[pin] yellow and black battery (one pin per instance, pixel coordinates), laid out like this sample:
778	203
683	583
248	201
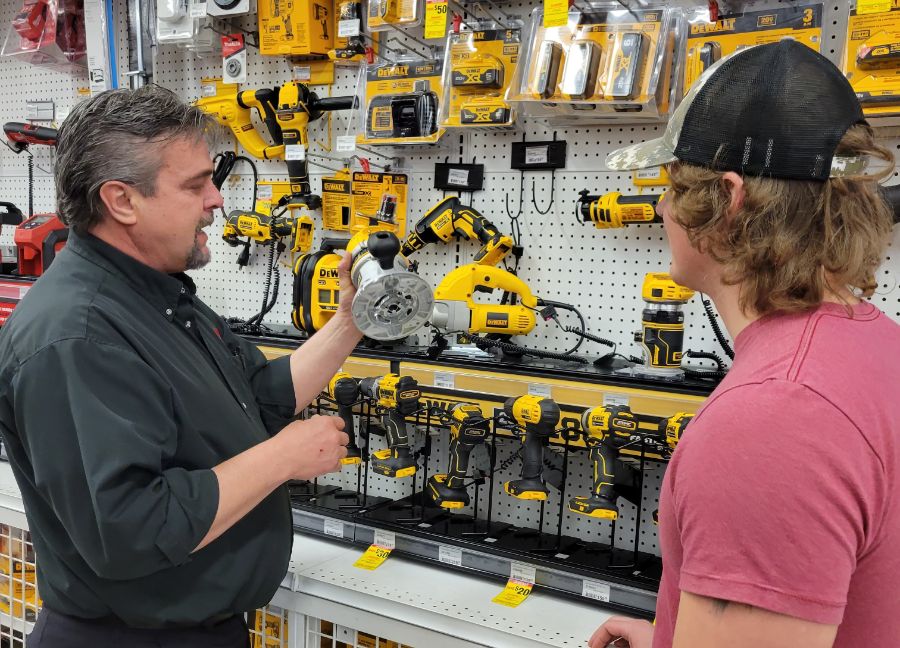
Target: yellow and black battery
579	78
546	70
628	61
478	73
484	110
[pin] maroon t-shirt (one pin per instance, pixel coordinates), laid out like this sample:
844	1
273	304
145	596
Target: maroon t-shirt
784	492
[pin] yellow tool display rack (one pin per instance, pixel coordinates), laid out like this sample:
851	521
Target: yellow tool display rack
487	547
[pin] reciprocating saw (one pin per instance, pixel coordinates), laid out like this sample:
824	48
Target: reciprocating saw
451	218
468	428
396	397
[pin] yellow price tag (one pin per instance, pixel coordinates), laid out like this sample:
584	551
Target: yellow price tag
435	19
373	557
872	6
556	13
514	593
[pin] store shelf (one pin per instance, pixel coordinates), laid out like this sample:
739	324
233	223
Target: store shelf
415	603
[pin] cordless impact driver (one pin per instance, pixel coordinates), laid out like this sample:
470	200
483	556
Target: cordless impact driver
468	428
397	397
538	417
606	430
343	389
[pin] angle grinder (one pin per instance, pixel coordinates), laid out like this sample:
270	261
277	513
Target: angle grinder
391	302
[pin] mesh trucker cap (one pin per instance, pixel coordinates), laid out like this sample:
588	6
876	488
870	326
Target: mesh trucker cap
777	110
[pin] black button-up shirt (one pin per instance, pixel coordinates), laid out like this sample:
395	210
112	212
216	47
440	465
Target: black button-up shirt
119	391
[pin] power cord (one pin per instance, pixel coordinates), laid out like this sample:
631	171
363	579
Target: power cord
713	322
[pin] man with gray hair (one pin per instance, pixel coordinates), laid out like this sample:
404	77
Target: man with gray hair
152	445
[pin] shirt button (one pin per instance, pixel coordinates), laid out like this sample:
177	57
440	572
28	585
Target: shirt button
182	290
244	405
188	324
168	311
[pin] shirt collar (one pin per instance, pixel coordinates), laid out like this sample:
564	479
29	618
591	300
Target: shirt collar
162	290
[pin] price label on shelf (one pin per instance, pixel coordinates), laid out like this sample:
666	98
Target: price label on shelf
539	389
435	19
615	399
294	152
334	528
346	143
556	13
450	555
594	590
458	177
872	6
444	380
537	154
373	557
348	27
521	581
385	539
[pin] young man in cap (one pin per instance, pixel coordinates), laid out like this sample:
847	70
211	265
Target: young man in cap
780	510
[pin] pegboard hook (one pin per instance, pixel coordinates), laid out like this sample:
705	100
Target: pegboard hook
544	212
521	198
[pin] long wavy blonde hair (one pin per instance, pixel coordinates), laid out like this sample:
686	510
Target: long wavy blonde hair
791	240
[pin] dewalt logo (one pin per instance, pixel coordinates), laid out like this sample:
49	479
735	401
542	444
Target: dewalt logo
367	177
726	24
497	320
396	70
334	186
328	273
410	394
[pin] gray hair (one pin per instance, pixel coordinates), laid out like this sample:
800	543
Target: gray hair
116	135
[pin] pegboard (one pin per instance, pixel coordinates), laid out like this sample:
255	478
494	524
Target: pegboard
600	272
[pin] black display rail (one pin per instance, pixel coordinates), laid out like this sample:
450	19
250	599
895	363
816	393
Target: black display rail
625	577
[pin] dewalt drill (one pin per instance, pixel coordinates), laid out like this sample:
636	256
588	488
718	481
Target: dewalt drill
343	389
468	428
606	429
662	325
614	210
538	417
451	218
670	431
397	397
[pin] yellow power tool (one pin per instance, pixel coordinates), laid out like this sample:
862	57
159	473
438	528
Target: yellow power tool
538	418
451	218
397	397
232	108
468	428
355	49
671	431
662	325
265	228
614	210
455	310
606	429
343	389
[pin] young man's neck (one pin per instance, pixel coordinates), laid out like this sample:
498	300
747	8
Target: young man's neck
727	302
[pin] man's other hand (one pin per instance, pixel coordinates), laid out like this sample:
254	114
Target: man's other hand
313	447
622	632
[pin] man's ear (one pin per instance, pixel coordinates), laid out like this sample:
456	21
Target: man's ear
117	199
734	185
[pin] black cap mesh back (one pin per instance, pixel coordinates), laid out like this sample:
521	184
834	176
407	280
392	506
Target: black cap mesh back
777	110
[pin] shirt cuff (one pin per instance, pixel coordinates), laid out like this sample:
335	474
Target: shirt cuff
273	388
767	598
192	507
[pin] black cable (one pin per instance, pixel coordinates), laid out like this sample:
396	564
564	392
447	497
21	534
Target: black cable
720	364
509	347
723	341
705	374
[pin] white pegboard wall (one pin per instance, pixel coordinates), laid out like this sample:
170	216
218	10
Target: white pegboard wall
598	271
